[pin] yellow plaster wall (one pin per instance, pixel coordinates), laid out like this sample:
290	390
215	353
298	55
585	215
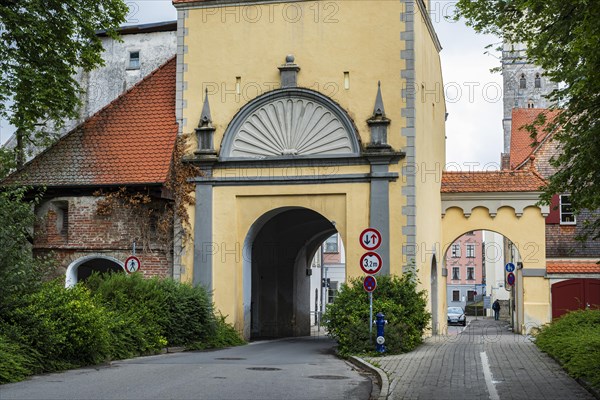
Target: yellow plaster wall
342	203
360	37
430	156
528	234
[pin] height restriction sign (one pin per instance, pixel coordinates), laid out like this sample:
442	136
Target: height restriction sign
370	239
371	263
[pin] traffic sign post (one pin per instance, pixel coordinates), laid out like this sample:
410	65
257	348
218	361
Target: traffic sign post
132	264
370	263
370	284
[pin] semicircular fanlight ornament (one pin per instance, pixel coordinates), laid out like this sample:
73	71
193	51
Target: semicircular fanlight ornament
291	126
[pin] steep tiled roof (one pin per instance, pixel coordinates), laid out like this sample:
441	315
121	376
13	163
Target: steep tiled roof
520	139
497	181
573	267
130	141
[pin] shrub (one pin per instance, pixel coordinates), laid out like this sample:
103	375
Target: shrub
347	319
574	340
15	364
138	312
61	328
160	312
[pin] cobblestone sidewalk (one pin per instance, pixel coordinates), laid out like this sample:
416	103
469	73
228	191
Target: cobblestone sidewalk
485	361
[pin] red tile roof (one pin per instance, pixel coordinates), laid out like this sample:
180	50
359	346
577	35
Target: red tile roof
520	138
572	267
130	141
497	181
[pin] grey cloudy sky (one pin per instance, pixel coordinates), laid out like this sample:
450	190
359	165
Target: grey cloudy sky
473	94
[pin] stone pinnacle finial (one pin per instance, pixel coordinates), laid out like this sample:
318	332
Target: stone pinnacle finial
379	109
205	117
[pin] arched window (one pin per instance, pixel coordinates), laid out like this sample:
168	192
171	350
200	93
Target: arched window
530	104
538	81
523	82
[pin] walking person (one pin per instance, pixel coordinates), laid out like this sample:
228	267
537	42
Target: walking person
496	308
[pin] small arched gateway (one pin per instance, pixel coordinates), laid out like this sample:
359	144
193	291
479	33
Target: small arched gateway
83	267
505	202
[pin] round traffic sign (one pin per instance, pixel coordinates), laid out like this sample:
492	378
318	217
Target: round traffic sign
371	263
370	283
132	264
510	267
370	239
510	279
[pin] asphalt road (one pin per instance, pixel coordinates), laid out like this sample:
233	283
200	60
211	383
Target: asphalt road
300	368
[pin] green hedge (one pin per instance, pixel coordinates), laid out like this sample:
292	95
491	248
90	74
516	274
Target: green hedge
111	316
347	319
574	340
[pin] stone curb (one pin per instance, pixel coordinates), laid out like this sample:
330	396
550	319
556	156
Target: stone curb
381	376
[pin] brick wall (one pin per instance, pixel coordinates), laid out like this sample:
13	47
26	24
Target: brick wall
561	239
88	233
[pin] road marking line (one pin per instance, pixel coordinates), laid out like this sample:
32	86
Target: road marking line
487	373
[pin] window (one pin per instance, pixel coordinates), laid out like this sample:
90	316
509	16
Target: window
538	81
134	60
530	104
567	216
331	244
455	273
522	82
332	292
470	295
470	273
64	229
471	251
455	250
456	295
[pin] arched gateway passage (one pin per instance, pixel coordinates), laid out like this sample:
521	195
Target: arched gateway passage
282	244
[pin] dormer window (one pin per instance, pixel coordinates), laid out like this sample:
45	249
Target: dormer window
134	60
523	82
538	81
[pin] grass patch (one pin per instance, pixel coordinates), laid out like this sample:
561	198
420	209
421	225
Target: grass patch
574	340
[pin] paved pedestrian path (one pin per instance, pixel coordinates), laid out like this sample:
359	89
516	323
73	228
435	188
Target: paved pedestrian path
485	361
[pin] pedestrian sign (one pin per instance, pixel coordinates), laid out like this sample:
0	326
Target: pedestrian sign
510	267
132	264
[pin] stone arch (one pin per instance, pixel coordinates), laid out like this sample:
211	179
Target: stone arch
434	296
277	250
290	123
110	263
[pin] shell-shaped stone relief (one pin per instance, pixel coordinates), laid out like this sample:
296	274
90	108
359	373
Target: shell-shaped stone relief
291	127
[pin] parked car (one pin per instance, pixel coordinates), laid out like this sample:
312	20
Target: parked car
456	316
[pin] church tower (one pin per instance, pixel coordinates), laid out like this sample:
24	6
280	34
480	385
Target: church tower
525	86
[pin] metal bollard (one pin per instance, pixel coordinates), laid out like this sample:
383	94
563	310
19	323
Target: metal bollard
380	322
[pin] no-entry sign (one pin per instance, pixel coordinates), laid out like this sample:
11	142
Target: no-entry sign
370	239
371	263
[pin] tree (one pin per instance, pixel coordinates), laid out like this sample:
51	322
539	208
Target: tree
42	43
562	37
